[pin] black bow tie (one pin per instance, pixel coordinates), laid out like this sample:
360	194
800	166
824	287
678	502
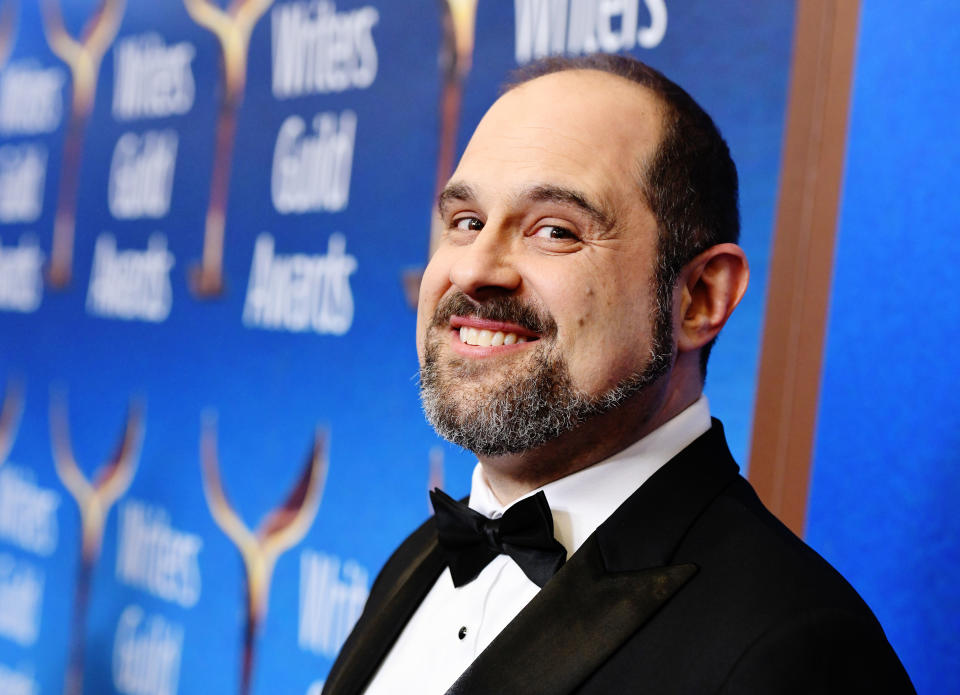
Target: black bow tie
525	533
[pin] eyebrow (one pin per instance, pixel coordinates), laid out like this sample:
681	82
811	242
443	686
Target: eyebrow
454	191
568	196
558	194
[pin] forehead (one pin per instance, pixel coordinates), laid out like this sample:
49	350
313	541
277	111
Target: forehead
581	127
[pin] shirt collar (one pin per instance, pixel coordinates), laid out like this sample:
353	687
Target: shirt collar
581	501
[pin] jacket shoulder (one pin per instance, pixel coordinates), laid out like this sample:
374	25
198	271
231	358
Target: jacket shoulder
766	613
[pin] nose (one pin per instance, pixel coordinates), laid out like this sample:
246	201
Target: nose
484	267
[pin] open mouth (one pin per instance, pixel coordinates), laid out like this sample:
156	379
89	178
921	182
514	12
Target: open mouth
484	338
478	332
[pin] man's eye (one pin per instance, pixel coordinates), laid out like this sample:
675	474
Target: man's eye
552	231
468	224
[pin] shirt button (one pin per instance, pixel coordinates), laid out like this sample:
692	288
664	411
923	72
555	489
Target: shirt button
463	632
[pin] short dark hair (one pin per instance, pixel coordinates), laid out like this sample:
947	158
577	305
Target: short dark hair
690	184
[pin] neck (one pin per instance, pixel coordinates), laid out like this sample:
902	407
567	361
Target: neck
512	476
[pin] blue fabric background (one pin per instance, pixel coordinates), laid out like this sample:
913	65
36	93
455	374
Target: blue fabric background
886	480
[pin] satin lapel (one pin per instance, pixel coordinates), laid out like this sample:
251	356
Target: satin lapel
647	529
374	637
581	616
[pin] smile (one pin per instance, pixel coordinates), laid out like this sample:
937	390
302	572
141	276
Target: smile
478	337
485	338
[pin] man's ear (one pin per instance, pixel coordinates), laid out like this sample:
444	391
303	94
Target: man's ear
711	285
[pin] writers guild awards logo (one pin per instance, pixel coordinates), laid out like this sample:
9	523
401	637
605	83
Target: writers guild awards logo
9	10
94	499
456	58
83	57
279	531
232	27
10	414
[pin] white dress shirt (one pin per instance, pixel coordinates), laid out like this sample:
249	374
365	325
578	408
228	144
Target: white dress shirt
453	625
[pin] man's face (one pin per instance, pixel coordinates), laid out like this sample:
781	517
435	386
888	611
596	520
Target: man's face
538	308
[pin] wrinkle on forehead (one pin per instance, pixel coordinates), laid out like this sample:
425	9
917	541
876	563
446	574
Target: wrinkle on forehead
524	169
527	144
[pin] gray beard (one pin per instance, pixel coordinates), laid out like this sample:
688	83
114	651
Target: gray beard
527	410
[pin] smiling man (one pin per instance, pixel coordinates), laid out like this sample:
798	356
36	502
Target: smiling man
588	262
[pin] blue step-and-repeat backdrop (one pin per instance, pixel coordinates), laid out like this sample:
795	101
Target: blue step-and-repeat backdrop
212	219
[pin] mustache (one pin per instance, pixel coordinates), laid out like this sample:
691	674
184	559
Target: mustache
504	308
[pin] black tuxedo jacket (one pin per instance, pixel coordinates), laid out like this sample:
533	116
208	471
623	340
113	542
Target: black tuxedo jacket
691	586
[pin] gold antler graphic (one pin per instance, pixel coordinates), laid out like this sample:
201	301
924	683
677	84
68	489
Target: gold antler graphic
9	9
232	28
83	57
10	417
458	26
456	58
278	532
94	500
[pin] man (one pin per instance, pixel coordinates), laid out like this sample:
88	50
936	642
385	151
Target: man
587	264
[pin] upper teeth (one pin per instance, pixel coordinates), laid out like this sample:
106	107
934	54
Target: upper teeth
484	338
